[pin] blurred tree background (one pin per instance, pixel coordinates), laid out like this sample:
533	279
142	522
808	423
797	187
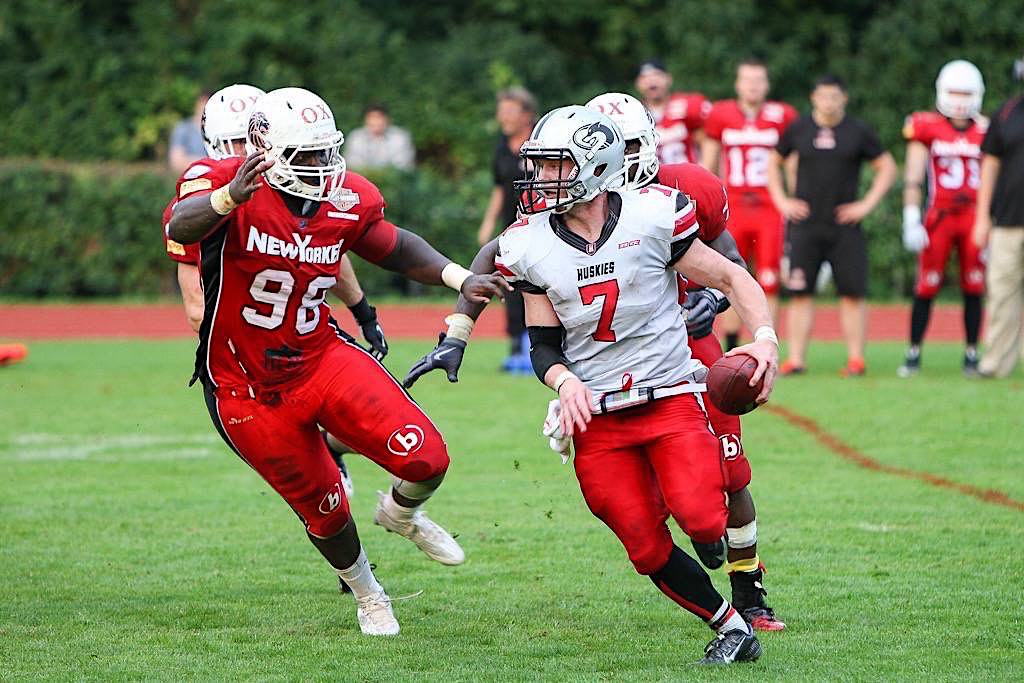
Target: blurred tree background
93	81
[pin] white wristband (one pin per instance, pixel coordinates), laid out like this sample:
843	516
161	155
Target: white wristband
221	201
911	214
453	275
766	332
561	379
460	326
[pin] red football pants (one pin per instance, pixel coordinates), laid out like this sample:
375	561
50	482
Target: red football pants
638	465
727	427
355	399
947	229
758	231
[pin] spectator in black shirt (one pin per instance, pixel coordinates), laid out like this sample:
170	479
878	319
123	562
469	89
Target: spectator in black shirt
1001	201
516	113
828	148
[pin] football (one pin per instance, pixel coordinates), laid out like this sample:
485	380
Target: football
729	384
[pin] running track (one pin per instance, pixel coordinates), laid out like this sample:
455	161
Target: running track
400	321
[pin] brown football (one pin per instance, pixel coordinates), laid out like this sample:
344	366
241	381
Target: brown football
729	384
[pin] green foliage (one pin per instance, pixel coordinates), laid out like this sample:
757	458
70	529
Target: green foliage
89	231
88	81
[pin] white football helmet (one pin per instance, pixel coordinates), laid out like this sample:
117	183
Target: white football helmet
586	138
959	90
226	120
636	123
296	128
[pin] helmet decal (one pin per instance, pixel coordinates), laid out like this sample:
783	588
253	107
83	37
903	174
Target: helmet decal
259	126
594	136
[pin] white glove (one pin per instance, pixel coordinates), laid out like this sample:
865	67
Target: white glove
557	440
915	237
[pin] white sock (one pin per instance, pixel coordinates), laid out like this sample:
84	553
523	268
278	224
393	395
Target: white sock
359	577
398	512
734	622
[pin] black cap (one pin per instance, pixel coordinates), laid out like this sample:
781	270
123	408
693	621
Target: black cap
651	65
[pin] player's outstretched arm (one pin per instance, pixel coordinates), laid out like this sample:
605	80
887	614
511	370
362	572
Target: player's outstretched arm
195	216
413	257
451	345
710	268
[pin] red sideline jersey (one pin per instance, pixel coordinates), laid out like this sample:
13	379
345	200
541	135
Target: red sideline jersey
266	273
954	157
683	115
747	143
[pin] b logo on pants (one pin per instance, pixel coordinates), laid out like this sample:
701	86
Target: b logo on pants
331	501
405	440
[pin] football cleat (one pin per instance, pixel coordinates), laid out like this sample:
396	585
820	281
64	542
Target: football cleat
971	363
12	353
911	365
789	367
375	615
711	555
748	597
855	367
430	537
732	646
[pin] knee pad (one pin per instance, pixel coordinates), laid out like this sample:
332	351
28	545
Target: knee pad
743	537
417	490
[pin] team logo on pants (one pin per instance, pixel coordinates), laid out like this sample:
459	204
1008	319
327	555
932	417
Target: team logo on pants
332	500
405	440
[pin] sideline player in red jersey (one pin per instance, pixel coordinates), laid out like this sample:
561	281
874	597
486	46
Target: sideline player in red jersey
678	116
746	573
224	126
597	266
945	145
273	228
739	136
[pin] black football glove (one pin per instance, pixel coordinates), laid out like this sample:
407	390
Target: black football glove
447	356
701	308
366	317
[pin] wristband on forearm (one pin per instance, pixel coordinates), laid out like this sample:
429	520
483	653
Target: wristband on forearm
362	311
766	332
221	201
453	275
460	326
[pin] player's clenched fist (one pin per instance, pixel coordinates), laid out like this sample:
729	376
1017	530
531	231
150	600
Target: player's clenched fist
482	288
247	179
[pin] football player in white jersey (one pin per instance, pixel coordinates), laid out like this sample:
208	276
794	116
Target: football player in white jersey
597	266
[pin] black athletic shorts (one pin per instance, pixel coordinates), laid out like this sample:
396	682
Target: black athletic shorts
843	246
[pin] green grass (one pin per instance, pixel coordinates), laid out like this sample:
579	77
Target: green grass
134	545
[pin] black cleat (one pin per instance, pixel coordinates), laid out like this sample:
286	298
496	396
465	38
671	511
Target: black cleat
732	646
711	555
748	597
911	364
971	363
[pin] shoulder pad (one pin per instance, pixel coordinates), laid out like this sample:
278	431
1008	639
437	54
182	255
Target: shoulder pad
651	210
357	192
522	244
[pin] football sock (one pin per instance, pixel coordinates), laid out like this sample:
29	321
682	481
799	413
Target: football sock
732	340
359	577
972	318
685	582
398	512
919	316
746	565
728	619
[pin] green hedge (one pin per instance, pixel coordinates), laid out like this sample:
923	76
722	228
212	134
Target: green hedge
86	232
90	232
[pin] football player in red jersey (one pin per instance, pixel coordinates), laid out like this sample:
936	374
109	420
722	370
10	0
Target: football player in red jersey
272	228
678	116
746	573
945	147
224	125
739	136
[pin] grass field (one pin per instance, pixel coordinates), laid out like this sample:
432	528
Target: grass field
134	545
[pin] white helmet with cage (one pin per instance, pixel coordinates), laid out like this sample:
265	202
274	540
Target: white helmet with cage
592	144
296	129
226	120
959	90
636	123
